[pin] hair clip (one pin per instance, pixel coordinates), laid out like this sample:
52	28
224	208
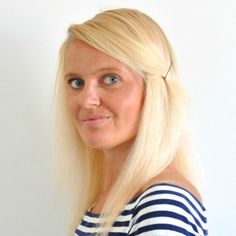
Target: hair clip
168	70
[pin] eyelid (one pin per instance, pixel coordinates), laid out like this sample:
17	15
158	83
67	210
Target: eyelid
72	78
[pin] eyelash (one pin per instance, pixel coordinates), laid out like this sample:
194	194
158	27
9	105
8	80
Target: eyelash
101	81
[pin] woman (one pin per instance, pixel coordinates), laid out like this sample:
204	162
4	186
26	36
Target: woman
121	130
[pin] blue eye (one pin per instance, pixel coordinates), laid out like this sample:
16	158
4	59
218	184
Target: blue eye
76	83
110	79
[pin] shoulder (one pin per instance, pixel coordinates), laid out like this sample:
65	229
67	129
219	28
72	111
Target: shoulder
168	209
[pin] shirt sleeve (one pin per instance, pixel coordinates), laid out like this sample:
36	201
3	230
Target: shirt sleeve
168	211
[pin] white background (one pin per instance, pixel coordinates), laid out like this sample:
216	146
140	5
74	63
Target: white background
202	33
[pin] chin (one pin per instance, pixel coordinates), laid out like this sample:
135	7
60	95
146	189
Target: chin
108	144
97	143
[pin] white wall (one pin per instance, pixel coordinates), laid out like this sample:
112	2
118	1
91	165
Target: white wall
203	35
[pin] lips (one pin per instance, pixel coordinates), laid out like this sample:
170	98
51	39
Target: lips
94	120
95	117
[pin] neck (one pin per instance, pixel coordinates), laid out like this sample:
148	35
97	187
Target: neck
114	159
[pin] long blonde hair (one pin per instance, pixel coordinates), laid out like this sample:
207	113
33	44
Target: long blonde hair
137	41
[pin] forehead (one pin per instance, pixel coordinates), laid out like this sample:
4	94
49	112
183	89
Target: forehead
79	55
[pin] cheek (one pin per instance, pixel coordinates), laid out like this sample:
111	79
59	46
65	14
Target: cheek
130	106
72	105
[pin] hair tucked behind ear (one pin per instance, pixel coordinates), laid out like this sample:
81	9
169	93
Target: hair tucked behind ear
137	41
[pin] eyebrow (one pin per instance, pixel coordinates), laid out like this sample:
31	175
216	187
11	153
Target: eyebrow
70	74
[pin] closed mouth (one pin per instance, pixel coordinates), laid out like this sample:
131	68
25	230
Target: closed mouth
95	120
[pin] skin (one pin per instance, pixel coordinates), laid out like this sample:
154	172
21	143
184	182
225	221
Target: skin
105	99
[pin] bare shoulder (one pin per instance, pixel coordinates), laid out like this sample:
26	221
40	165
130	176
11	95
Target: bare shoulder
172	177
182	182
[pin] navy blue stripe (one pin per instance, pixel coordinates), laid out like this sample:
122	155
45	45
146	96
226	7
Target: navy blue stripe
169	202
179	187
123	213
81	233
91	214
89	224
169	227
176	194
169	214
166	214
121	224
94	225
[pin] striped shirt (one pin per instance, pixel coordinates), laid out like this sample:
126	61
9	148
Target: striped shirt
161	210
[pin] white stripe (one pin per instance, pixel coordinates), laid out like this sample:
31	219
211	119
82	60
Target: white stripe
86	229
161	233
91	219
163	220
119	229
94	219
97	230
124	218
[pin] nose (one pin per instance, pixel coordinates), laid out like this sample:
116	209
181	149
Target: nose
89	96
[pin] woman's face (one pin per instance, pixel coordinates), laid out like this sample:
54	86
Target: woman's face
105	97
